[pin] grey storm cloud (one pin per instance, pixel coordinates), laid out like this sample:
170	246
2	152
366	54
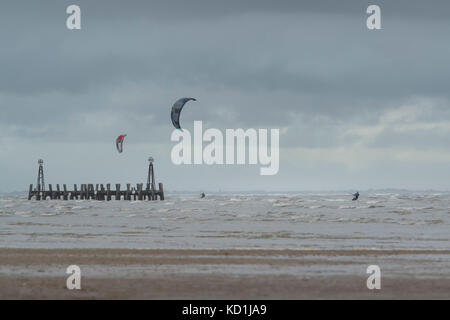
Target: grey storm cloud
310	68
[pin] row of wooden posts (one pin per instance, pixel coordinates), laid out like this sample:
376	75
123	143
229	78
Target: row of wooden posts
87	192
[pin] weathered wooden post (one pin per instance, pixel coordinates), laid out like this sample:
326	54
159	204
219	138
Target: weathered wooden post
58	192
50	191
65	192
161	191
91	192
117	191
30	192
139	191
101	196
128	194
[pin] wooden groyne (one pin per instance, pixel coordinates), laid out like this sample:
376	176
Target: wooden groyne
100	192
88	192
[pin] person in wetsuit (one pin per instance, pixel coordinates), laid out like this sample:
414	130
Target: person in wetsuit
355	196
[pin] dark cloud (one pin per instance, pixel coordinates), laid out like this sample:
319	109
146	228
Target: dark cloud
308	67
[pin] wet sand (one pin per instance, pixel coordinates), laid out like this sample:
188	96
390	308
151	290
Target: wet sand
223	274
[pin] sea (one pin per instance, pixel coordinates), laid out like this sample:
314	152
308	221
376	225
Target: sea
303	220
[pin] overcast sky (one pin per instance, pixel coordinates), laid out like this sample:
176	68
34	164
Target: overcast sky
357	109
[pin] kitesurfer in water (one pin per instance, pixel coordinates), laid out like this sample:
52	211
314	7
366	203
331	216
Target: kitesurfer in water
355	196
203	195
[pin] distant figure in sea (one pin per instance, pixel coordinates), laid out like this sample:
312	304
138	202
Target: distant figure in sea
355	196
203	195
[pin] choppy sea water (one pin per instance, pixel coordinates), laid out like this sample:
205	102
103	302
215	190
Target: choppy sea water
297	221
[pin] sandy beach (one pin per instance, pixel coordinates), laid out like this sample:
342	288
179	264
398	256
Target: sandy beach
222	274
